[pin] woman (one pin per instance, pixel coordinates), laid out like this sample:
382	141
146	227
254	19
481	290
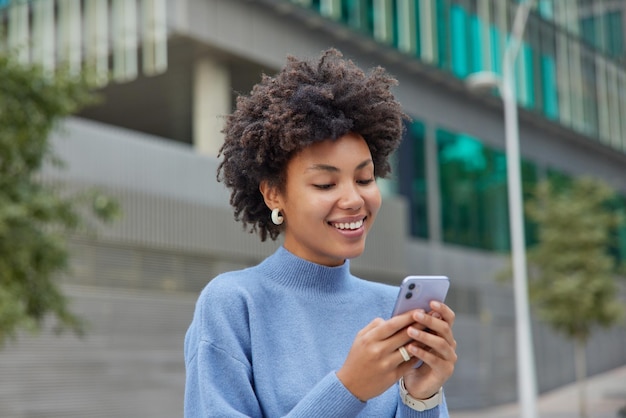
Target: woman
298	335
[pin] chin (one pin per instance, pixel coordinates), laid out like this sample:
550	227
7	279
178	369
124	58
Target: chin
354	253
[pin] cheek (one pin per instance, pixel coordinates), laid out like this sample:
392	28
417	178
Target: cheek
374	201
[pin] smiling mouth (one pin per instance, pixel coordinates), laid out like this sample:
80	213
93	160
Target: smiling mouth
348	226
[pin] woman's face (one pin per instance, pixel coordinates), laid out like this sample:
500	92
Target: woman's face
330	201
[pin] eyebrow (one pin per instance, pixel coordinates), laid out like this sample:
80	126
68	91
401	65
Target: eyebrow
333	169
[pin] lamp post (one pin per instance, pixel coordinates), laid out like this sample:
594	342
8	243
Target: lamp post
526	380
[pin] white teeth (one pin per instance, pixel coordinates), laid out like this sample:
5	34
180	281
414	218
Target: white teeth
349	225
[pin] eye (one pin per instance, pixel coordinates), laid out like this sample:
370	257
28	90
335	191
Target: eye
365	182
323	186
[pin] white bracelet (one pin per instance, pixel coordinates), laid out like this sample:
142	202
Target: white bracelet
419	404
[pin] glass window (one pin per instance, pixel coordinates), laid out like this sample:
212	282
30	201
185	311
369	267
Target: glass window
548	81
406	23
620	232
474	208
545	8
601	98
496	56
459	40
384	21
524	76
547	73
588	30
621	92
615	34
476	43
530	178
427	31
358	14
443	33
589	88
614	102
412	177
474	199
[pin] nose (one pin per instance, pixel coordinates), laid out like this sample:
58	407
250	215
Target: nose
351	198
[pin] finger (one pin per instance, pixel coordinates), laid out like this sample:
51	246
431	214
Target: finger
385	329
406	365
443	366
444	311
435	344
437	326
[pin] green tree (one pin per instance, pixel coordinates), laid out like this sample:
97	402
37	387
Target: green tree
35	216
572	280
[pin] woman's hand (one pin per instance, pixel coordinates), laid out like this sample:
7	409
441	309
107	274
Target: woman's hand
433	343
374	362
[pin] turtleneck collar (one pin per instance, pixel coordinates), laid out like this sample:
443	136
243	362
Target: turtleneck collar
289	270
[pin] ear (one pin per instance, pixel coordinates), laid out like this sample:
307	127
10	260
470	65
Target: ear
271	195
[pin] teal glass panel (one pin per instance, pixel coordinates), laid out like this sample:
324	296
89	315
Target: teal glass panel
530	75
443	33
459	47
415	26
474	206
395	30
545	9
588	30
359	15
475	25
530	178
617	245
620	233
412	177
496	53
418	36
368	27
548	82
589	93
615	34
349	13
316	5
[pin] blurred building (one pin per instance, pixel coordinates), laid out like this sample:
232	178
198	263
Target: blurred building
171	68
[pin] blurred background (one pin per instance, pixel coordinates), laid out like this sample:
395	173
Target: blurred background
169	70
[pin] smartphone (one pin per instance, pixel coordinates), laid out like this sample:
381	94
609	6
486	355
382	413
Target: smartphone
416	292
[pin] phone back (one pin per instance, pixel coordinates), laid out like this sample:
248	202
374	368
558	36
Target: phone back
416	292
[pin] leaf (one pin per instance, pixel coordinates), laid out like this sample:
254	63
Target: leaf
572	281
36	217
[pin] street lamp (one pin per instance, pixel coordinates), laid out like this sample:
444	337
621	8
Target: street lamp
526	380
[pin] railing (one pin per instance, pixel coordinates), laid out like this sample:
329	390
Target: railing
117	38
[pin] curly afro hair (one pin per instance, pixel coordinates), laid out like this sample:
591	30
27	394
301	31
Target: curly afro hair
303	103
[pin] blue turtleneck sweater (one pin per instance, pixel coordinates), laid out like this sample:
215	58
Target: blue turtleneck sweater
267	341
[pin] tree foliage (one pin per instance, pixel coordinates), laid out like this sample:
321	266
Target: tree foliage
36	216
571	273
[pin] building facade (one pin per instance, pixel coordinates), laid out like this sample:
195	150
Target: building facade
171	68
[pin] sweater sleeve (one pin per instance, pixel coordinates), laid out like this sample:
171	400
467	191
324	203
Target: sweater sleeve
218	370
217	385
219	378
